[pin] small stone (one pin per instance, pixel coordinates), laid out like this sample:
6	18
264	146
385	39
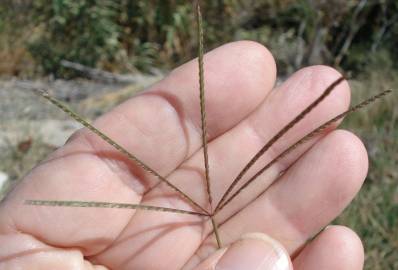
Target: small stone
3	179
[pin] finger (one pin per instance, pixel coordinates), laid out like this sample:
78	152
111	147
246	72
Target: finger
340	242
278	110
21	251
253	251
308	196
229	153
159	126
226	155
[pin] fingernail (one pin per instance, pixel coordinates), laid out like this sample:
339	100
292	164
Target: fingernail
255	251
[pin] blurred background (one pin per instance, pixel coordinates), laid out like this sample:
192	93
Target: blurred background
93	54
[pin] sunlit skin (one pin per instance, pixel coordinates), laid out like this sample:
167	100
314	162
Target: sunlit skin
161	126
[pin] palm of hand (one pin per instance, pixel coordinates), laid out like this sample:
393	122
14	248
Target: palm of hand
161	126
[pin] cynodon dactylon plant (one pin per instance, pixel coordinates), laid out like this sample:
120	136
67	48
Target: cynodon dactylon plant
255	143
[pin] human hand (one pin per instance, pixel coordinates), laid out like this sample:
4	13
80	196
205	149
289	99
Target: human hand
162	127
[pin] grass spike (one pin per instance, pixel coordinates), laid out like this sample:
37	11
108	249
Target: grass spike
303	140
111	142
96	204
277	136
216	232
202	103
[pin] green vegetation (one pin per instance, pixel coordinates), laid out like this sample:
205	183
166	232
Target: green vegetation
374	212
127	35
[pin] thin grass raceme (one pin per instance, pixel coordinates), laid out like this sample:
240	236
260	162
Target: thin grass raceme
232	192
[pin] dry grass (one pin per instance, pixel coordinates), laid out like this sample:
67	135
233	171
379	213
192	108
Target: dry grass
15	58
374	212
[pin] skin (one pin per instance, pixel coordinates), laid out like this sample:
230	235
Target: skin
161	126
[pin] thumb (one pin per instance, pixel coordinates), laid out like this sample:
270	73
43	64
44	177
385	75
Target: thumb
254	251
